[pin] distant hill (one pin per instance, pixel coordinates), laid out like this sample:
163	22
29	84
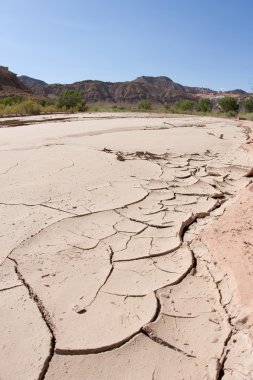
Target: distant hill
238	92
158	90
199	90
10	84
32	83
155	89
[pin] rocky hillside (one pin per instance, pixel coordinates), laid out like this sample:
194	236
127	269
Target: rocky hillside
10	84
159	90
32	83
199	90
156	89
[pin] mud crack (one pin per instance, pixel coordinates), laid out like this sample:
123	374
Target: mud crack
152	335
84	309
45	316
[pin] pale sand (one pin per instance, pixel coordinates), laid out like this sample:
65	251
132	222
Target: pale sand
105	273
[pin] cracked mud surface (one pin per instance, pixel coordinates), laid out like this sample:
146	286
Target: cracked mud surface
116	243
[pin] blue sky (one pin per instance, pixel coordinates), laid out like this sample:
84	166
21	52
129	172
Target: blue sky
194	42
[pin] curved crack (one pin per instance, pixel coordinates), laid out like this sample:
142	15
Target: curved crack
113	346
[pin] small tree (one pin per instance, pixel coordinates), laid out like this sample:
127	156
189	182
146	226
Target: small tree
144	105
248	105
204	105
229	104
71	99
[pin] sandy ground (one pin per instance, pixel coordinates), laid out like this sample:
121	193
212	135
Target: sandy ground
126	248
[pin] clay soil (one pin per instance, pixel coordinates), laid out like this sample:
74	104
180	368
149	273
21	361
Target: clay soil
126	248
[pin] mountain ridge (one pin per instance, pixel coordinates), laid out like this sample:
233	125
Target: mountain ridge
158	90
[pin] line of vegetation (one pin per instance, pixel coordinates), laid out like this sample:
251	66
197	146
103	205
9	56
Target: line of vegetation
226	107
68	101
71	101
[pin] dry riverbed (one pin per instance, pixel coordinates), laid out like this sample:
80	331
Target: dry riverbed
126	248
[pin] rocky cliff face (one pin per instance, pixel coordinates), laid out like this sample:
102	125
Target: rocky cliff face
10	84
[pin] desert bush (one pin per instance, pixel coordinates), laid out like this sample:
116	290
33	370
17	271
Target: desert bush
231	113
166	106
72	100
228	104
10	100
184	106
27	107
50	108
248	105
45	102
20	106
144	105
204	105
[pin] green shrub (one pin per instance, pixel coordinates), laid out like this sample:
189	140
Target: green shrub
72	100
166	106
45	102
231	113
204	105
184	106
229	104
10	100
144	105
248	105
